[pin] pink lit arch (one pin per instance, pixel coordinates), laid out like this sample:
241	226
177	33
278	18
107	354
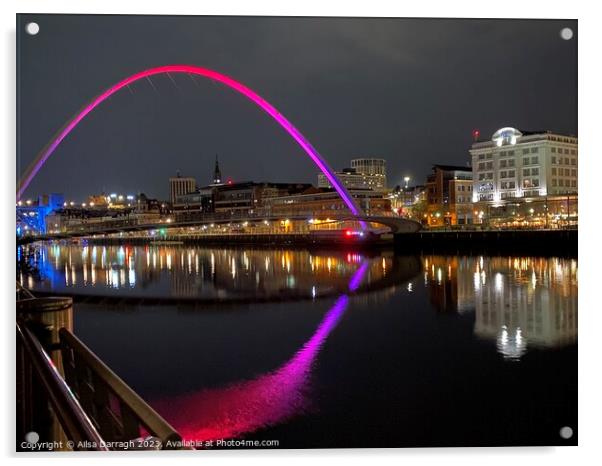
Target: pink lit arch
49	149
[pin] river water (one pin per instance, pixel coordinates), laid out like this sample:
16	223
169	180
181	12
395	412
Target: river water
330	348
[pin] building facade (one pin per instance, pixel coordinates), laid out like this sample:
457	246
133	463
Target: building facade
180	185
515	164
324	202
449	196
200	200
363	174
525	178
249	197
376	168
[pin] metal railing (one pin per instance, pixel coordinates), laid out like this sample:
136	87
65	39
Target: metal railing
73	419
116	410
65	392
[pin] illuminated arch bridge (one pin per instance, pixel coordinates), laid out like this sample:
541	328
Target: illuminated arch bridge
313	154
395	224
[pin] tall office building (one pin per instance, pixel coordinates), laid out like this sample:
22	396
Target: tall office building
376	168
363	174
180	185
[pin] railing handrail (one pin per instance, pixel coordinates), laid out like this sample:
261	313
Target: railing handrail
73	419
149	418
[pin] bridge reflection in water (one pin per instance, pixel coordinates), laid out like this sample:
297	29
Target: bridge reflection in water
244	407
514	306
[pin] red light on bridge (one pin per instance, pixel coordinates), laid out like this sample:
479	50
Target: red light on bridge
350	233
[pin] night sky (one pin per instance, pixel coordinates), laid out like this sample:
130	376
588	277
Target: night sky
407	90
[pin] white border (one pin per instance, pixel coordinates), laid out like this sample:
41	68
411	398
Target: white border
590	107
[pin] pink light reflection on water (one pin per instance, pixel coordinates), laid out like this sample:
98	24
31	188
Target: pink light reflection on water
247	406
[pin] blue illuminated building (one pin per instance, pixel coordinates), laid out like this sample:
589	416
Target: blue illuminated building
31	215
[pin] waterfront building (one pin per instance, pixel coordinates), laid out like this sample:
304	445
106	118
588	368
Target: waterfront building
449	196
238	199
200	199
180	185
515	168
324	202
32	214
363	174
249	197
117	208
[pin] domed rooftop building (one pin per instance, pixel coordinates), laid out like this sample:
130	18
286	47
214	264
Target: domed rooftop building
517	166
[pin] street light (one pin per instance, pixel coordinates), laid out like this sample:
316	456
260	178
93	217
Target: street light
407	181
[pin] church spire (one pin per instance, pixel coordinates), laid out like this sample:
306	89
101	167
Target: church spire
217	174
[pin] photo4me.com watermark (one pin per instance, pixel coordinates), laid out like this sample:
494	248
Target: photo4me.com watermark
32	443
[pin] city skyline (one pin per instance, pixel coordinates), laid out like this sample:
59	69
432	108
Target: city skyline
157	123
296	232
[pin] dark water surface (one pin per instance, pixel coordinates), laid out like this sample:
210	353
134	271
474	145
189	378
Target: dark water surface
399	351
